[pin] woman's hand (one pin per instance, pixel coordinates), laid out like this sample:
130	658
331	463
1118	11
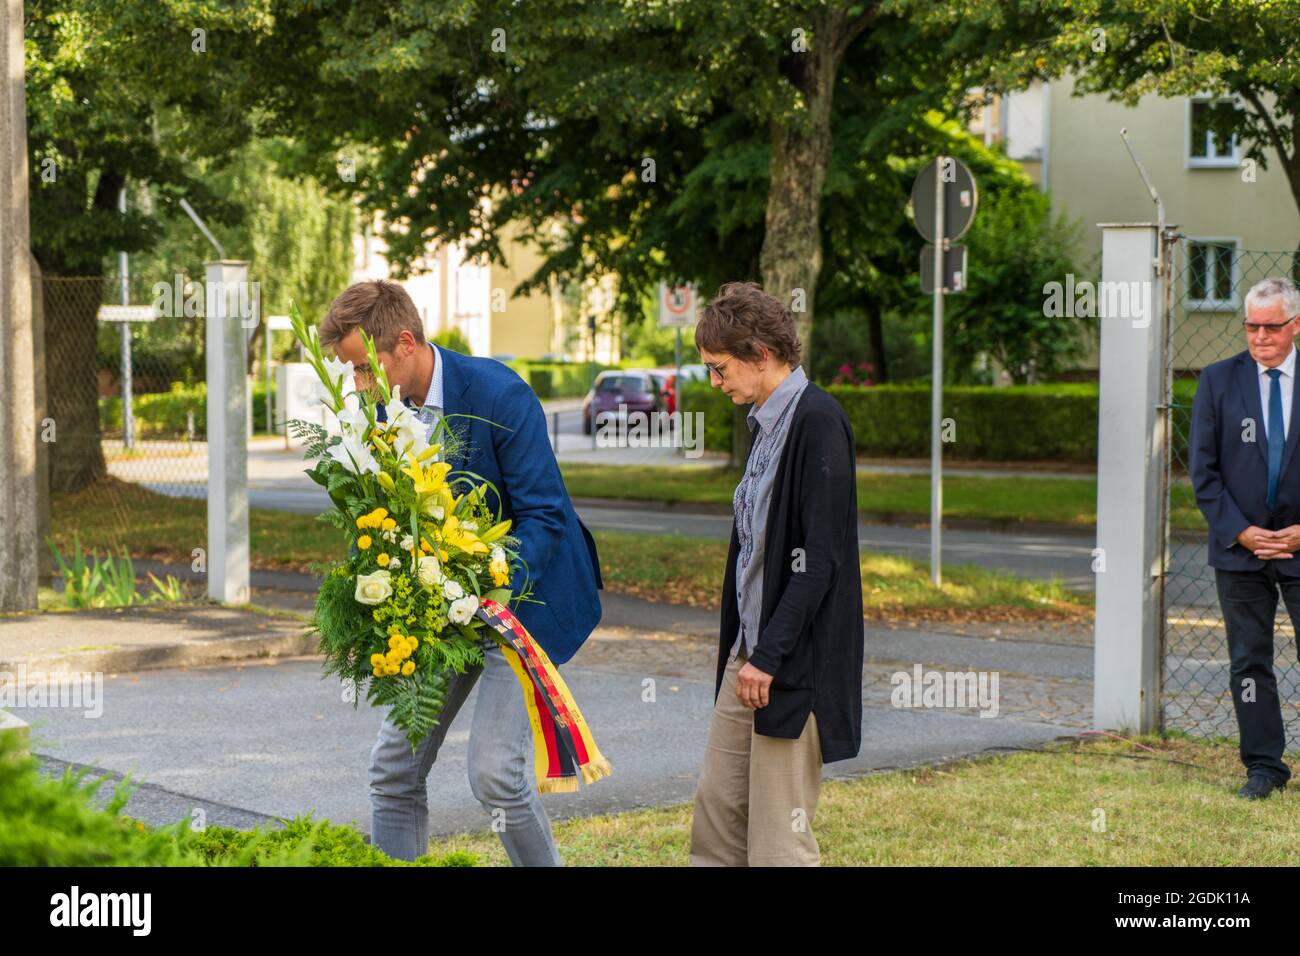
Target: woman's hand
752	685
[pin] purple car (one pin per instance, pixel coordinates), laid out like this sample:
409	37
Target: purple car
636	390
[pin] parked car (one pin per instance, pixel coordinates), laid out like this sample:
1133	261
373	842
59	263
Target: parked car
634	388
666	379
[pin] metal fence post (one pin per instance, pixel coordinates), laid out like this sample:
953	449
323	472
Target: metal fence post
1130	456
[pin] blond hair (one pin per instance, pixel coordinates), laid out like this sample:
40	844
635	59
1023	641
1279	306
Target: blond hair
382	309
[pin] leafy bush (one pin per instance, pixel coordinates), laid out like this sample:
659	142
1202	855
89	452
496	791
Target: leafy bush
697	396
453	340
53	822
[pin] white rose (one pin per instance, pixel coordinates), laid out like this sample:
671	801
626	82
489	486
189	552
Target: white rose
498	555
462	611
429	571
374	588
452	590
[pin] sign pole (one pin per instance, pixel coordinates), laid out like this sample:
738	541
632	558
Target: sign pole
128	415
936	391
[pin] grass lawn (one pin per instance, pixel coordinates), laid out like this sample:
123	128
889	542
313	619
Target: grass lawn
657	567
1010	499
1105	802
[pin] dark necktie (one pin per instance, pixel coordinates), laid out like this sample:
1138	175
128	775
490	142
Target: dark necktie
1276	437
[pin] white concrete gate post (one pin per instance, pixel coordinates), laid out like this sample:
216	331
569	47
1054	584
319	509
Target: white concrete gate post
1130	465
227	557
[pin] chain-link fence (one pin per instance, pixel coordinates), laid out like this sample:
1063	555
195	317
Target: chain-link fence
1208	284
124	416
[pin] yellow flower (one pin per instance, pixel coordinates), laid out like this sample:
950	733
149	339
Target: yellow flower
414	642
389	524
364	542
379	670
408	668
394	642
376	660
382	559
393	669
428	480
496	531
456	535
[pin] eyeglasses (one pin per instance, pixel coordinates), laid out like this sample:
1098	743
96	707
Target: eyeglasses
1253	327
717	369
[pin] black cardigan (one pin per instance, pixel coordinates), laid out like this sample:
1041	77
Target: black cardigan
810	635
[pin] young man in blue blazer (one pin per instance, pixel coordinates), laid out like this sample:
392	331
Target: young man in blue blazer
507	444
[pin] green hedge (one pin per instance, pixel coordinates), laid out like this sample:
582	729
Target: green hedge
1018	423
550	379
54	822
697	396
162	414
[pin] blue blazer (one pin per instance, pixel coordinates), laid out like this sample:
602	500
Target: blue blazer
562	565
1230	473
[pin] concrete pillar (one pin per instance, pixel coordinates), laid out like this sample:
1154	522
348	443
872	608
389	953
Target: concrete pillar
1130	465
227	557
18	507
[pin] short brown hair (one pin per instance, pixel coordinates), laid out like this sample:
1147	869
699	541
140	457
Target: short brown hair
381	308
740	317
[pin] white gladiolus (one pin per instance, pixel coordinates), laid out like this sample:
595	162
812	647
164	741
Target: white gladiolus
452	590
462	611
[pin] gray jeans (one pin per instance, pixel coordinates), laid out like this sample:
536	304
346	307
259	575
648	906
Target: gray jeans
500	771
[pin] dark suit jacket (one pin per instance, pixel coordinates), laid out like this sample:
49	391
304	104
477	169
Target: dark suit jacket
810	635
562	564
1230	474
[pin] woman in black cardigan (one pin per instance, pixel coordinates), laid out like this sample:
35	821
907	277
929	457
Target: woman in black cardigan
788	696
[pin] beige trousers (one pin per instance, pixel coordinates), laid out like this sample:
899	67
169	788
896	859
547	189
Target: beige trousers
757	795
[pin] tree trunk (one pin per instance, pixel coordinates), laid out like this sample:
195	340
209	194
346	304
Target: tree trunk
72	390
800	145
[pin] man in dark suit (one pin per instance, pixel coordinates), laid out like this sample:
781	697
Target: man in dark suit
1244	437
506	444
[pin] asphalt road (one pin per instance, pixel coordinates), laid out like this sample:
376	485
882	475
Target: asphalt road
251	743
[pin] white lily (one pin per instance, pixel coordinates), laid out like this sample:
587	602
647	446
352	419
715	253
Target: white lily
353	454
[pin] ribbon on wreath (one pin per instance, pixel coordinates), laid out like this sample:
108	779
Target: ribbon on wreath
562	742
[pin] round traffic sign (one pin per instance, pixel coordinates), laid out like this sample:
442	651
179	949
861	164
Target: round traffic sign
960	198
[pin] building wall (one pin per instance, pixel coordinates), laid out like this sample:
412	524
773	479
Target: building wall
1091	178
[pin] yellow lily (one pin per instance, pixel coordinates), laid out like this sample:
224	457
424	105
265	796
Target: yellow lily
496	531
428	480
457	536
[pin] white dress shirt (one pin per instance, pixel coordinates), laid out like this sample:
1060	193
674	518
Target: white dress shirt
1287	382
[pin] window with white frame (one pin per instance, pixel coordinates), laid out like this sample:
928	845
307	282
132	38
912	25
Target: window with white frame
1204	149
1212	274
